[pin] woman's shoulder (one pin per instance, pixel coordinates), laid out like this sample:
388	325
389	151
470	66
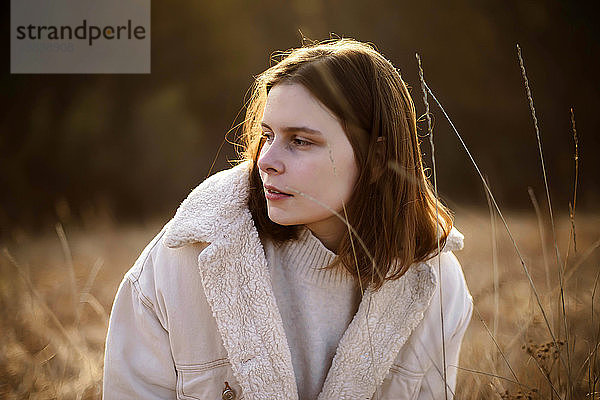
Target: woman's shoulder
160	269
448	271
456	301
212	210
446	266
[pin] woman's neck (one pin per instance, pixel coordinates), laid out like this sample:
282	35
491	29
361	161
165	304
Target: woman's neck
329	231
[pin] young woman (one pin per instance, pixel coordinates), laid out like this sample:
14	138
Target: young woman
319	267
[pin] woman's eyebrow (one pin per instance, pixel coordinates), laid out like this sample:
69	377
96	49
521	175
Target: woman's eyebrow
293	129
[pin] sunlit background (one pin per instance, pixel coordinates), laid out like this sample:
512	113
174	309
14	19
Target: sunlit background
106	159
134	145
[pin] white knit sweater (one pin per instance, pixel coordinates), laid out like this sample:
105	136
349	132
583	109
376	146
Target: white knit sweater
316	306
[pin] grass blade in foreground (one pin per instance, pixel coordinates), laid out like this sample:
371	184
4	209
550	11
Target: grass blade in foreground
437	225
523	264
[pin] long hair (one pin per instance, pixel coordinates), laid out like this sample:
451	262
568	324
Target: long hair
393	208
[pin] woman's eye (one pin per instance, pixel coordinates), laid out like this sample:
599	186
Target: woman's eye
268	136
301	142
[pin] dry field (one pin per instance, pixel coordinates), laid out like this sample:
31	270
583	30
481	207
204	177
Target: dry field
56	292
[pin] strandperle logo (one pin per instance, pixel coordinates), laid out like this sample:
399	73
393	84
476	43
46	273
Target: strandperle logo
90	33
80	36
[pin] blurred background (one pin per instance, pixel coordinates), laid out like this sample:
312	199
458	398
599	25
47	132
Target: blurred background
133	146
92	166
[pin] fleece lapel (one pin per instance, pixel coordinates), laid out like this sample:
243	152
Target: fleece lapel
237	283
383	323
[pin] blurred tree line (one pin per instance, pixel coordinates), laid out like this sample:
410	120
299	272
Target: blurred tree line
134	145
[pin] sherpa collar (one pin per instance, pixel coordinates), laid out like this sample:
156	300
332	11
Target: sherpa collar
237	285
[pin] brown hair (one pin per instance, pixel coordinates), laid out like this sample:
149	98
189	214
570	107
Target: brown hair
393	208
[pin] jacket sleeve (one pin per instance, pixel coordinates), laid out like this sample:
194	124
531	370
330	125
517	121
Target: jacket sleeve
432	386
138	363
458	309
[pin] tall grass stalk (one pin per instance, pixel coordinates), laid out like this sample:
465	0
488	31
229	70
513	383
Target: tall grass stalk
437	225
495	276
572	211
40	301
538	215
493	336
373	269
572	206
522	260
474	371
558	261
86	297
70	268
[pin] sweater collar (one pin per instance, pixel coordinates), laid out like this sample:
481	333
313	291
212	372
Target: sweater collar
237	285
308	256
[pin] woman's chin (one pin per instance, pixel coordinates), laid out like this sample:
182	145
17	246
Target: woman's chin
285	220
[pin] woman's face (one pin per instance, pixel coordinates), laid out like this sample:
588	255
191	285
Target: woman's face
307	155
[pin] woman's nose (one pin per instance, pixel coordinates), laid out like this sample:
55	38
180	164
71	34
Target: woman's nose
270	160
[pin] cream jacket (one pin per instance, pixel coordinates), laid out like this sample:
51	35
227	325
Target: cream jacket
196	317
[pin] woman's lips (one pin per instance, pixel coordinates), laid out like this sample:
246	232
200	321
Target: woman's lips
271	194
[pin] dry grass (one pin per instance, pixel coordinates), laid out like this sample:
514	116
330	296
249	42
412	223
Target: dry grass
557	310
55	297
522	334
52	341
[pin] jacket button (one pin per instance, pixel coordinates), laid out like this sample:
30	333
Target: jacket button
228	393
